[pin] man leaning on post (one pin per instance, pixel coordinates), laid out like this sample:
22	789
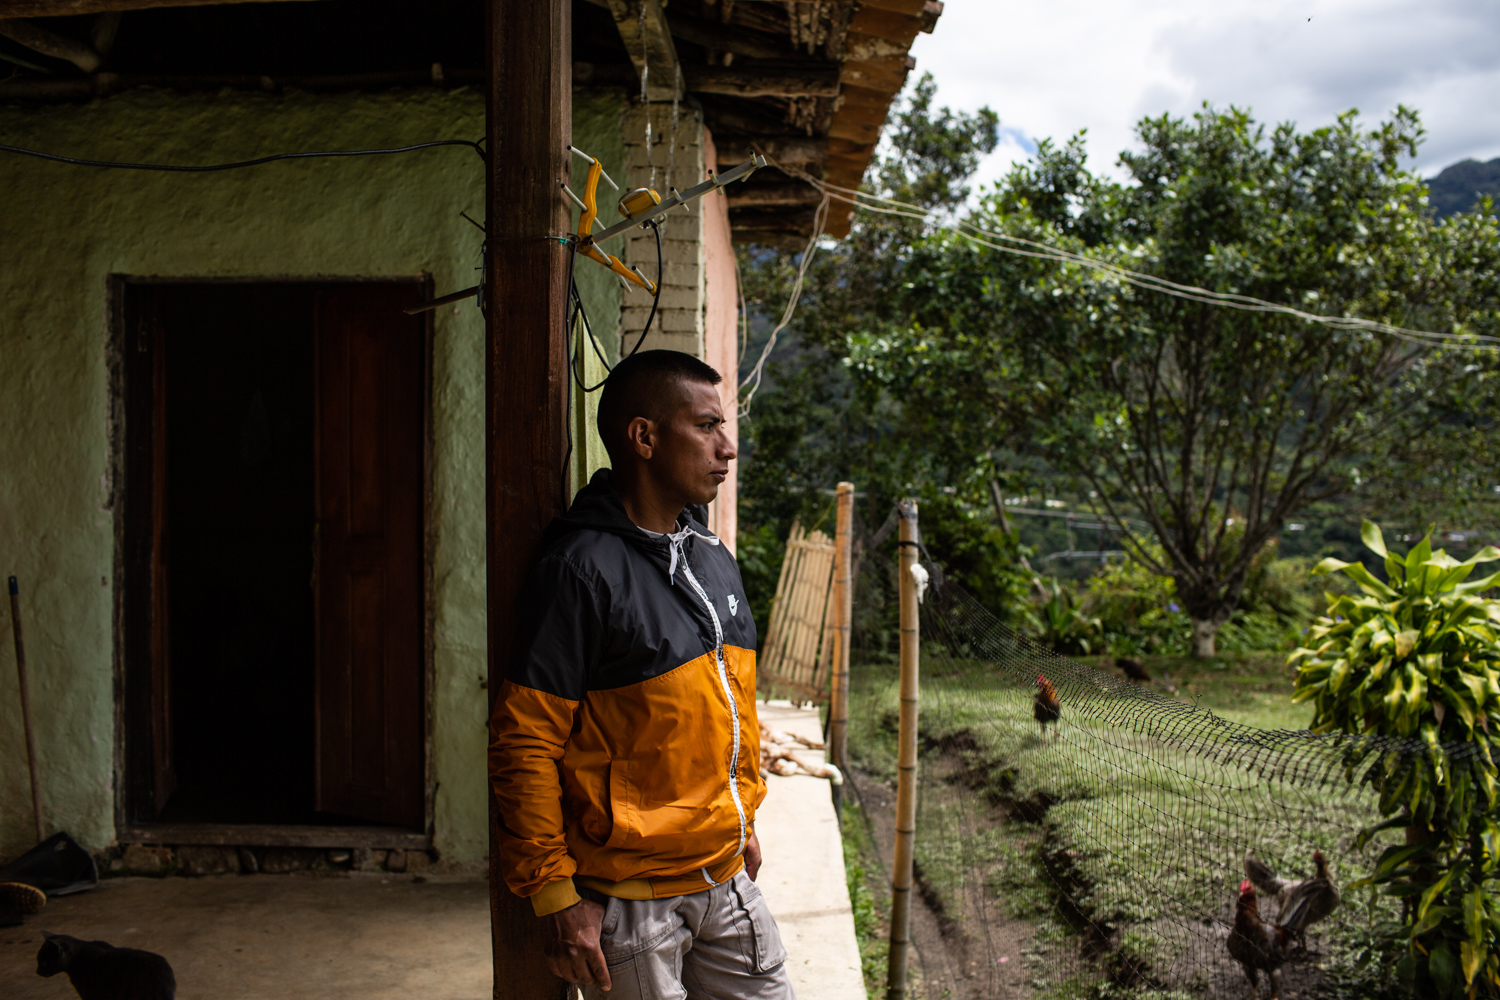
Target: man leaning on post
626	761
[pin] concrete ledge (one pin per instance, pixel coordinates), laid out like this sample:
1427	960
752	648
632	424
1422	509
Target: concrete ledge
803	873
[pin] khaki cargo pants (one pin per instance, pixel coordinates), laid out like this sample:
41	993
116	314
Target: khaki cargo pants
719	944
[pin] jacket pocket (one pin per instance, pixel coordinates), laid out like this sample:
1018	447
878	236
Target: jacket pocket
621	804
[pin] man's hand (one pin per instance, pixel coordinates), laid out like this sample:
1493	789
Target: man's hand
752	856
571	944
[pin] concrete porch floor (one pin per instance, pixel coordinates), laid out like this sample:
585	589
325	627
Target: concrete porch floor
276	936
374	936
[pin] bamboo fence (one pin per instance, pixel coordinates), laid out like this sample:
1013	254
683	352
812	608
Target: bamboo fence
797	657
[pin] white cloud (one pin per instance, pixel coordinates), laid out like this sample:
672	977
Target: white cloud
1050	70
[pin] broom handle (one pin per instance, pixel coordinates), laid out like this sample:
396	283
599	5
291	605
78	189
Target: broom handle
36	785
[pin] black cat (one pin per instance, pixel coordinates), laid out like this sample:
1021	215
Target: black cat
100	971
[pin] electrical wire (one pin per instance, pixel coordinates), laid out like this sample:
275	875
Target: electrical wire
478	147
578	312
573	311
820	218
1031	248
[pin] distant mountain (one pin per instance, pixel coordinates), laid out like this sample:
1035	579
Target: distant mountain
1459	186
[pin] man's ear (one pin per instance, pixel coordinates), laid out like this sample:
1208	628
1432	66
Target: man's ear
641	433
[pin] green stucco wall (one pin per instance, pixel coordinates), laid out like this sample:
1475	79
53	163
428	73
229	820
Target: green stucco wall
64	230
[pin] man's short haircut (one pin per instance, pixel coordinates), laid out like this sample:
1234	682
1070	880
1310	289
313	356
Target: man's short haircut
649	384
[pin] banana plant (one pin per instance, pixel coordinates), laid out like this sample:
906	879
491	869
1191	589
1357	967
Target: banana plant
1061	624
1417	656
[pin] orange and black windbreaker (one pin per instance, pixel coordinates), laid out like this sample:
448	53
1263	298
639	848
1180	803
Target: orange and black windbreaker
626	749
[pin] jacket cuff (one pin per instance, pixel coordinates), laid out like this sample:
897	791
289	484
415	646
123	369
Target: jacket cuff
555	897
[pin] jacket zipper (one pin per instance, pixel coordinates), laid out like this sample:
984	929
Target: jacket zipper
734	708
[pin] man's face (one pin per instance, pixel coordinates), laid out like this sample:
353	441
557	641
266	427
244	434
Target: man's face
690	451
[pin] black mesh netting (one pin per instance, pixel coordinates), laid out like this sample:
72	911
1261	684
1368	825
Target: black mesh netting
1105	855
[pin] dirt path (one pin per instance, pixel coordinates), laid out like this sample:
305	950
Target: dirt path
958	955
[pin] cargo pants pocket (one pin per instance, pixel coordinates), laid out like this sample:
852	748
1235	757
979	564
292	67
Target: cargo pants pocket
766	952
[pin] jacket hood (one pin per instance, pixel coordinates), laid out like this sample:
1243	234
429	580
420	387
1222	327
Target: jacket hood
597	507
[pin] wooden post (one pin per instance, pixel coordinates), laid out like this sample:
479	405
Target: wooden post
529	113
36	785
906	756
843	607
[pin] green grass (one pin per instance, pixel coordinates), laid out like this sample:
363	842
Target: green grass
1126	831
1250	688
870	898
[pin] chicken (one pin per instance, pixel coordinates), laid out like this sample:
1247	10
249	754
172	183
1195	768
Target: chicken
1133	669
1257	944
1045	707
1302	903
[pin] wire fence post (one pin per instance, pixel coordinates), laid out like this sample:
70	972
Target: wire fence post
843	606
906	755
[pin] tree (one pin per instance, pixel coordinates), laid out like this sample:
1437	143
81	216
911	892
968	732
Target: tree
815	422
1213	424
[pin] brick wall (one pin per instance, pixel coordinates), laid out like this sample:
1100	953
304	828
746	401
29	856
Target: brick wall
698	309
679	321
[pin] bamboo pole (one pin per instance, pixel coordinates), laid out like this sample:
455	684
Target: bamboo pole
843	605
906	756
772	650
36	785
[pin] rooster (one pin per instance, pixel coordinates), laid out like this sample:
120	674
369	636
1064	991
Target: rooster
1133	669
1301	903
1257	944
1045	707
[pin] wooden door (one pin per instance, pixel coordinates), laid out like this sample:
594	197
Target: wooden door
143	351
370	407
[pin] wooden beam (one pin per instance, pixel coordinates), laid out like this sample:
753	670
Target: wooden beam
745	116
773	220
49	43
793	195
743	81
529	110
67	8
887	73
727	38
795	151
648	39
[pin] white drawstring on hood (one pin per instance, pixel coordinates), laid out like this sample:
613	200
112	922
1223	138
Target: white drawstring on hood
674	545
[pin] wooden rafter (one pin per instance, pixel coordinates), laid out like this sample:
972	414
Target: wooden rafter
758	82
67	8
648	40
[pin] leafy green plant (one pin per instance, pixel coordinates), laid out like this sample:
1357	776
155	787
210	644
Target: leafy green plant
1060	623
1418	656
1137	610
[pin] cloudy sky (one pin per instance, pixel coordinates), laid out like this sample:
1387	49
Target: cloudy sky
1050	69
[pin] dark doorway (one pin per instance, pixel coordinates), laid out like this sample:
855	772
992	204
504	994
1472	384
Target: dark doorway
273	545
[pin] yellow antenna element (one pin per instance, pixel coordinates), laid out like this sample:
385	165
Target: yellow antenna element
638	201
590	206
639	207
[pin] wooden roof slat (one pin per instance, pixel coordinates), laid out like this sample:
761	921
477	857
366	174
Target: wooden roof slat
792	193
897	29
757	82
726	38
799	152
887	73
909	8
